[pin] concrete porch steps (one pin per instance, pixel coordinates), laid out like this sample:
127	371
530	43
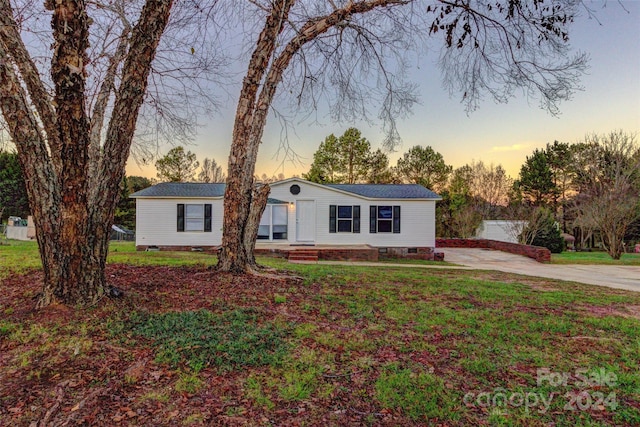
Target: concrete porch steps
303	255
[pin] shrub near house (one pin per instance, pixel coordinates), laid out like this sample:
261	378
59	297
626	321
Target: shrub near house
543	231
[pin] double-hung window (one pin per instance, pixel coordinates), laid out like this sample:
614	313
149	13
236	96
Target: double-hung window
273	224
384	219
344	219
194	217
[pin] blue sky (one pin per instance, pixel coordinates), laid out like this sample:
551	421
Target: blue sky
499	133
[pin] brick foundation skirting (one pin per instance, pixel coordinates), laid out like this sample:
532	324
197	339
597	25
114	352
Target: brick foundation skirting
537	253
348	254
370	254
327	254
178	248
424	253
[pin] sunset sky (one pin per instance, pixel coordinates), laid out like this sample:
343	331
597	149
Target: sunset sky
499	133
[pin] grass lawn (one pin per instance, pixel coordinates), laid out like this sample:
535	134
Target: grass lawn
594	258
20	256
326	345
416	262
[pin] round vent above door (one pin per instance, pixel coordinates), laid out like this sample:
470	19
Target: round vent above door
294	189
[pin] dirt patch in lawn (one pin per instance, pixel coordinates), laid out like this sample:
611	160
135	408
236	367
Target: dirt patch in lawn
628	311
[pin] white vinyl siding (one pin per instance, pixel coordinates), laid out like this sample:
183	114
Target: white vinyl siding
156	219
156	222
417	217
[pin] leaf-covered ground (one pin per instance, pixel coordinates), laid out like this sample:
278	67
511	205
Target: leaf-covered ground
346	346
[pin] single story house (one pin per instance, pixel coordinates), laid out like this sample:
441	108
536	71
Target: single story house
392	217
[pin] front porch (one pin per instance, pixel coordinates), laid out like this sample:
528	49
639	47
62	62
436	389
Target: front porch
311	252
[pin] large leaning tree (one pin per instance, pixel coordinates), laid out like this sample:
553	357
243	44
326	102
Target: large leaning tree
73	117
353	52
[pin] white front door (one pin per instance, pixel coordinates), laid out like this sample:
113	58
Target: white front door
305	220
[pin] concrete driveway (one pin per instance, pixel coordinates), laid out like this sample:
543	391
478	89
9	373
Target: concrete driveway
613	276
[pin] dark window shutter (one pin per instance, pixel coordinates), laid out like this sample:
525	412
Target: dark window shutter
180	217
207	217
356	219
332	218
373	219
396	219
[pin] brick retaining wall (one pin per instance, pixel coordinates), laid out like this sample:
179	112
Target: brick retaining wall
537	253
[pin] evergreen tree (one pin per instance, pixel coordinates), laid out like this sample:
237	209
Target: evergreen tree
355	152
13	192
346	159
177	166
327	164
424	166
137	183
379	171
561	162
536	180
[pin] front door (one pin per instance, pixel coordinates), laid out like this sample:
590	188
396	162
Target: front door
306	220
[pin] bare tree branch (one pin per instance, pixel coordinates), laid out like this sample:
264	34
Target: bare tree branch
15	48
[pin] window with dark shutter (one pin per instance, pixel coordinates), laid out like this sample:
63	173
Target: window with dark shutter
344	219
194	217
180	217
384	219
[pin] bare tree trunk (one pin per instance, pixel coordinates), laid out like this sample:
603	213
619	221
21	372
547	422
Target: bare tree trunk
73	210
247	132
259	200
233	257
612	241
264	74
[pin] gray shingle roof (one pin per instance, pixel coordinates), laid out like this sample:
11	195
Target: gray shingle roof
272	201
373	191
182	189
387	191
